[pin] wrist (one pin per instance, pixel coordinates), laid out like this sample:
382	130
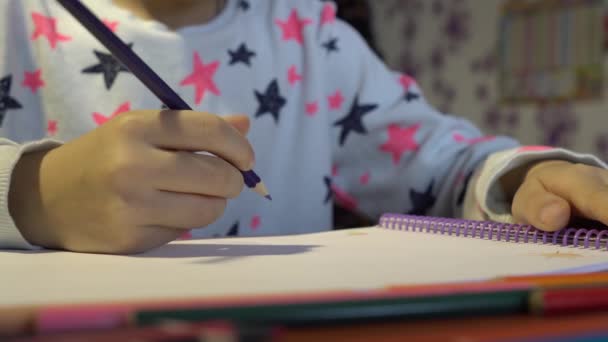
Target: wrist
25	199
512	180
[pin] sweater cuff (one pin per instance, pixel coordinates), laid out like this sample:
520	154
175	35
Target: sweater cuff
10	236
491	200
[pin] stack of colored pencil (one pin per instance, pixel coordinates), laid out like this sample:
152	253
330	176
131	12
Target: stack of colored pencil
527	301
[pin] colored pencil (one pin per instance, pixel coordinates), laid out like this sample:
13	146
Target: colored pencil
143	72
102	316
487	329
340	312
502	296
560	301
168	332
86	316
498	328
560	280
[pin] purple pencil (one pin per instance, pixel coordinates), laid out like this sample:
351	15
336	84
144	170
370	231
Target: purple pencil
143	72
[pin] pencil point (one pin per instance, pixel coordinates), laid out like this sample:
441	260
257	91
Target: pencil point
260	188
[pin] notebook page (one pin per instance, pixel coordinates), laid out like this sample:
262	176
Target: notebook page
356	259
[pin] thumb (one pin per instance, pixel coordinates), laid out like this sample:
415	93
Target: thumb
534	205
240	122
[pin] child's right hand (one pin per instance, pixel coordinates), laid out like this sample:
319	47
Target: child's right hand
133	183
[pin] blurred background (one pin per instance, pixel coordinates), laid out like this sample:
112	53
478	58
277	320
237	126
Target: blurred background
532	69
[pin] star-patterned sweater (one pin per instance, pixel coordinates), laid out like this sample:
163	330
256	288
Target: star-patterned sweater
330	122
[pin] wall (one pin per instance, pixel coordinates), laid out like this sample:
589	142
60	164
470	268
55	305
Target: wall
448	45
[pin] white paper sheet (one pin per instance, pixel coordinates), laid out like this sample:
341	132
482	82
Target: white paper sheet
348	259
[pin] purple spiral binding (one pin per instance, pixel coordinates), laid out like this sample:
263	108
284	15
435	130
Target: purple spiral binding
501	226
572	237
517	230
588	236
526	233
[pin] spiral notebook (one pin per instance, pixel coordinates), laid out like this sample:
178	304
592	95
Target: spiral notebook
400	250
596	238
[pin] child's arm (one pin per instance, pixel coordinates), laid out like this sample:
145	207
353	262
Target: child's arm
131	184
395	152
143	189
545	187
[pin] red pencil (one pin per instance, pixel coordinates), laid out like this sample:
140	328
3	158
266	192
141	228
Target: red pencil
167	332
560	301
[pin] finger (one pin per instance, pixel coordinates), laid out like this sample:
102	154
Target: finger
201	174
190	131
240	122
584	187
182	211
533	204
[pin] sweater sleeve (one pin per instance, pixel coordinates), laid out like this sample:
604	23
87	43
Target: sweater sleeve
10	152
22	120
394	152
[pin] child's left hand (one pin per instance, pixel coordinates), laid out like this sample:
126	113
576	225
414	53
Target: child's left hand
555	191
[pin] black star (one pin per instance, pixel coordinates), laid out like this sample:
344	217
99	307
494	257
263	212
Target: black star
409	96
329	193
108	65
6	100
331	45
270	101
353	121
422	201
244	5
234	230
242	55
464	188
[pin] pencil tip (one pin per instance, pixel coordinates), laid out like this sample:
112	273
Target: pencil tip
268	197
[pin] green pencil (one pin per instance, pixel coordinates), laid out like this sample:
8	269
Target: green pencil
312	313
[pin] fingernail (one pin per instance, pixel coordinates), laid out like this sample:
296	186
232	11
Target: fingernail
552	214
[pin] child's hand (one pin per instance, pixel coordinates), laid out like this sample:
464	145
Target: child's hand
131	184
553	191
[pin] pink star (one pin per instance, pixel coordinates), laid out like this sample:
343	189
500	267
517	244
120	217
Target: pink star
202	78
364	179
255	222
400	140
335	100
460	138
111	24
292	28
334	170
344	199
406	82
100	119
51	127
47	26
292	75
534	148
328	15
32	80
312	108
